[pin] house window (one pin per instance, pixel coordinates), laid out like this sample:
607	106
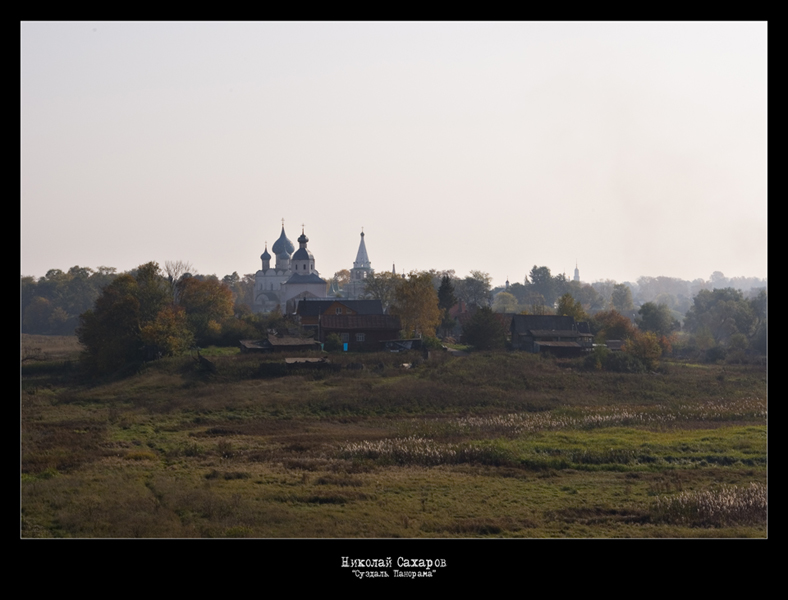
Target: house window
345	338
339	311
360	337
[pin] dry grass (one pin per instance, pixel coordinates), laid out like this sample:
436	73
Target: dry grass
492	445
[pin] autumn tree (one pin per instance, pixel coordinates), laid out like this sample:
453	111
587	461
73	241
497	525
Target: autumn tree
111	331
135	318
416	304
168	334
206	303
611	325
645	347
569	307
505	303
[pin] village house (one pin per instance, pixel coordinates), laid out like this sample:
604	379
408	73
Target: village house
360	332
309	310
559	335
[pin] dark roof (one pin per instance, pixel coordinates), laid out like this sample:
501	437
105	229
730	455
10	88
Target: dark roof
303	254
582	327
569	333
278	342
311	278
522	324
312	308
389	322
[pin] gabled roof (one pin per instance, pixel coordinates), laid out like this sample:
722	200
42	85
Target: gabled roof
523	324
583	327
388	322
564	333
312	308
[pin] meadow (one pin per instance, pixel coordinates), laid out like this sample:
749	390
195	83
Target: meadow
496	444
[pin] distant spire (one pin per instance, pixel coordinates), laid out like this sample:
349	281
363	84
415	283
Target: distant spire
362	259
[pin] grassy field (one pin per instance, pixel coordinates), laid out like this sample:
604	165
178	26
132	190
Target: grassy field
488	445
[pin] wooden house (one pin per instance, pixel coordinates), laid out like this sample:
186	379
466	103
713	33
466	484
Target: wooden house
559	335
360	332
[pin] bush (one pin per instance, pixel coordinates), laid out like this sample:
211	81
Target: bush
621	362
715	353
333	343
595	361
431	343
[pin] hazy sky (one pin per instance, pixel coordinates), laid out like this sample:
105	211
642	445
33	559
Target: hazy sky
633	148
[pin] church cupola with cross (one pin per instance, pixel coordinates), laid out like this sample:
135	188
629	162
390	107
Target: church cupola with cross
283	248
303	262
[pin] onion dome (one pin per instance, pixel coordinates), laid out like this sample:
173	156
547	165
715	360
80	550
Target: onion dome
283	246
302	253
265	255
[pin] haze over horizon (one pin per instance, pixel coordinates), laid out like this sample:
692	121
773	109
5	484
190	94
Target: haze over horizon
635	149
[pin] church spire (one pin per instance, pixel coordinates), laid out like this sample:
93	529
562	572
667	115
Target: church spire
362	259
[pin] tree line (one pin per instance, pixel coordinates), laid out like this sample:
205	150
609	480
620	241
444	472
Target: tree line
150	312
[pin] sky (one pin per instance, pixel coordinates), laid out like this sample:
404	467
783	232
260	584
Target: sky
628	148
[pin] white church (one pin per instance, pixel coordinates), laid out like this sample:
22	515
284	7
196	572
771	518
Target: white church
294	276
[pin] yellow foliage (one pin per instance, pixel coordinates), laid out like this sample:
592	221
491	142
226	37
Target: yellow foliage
416	304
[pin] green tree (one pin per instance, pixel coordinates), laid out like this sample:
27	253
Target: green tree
542	283
474	290
721	313
484	331
621	298
112	331
36	316
446	299
656	318
505	303
381	286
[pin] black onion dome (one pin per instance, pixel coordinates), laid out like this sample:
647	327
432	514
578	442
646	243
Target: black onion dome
283	245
